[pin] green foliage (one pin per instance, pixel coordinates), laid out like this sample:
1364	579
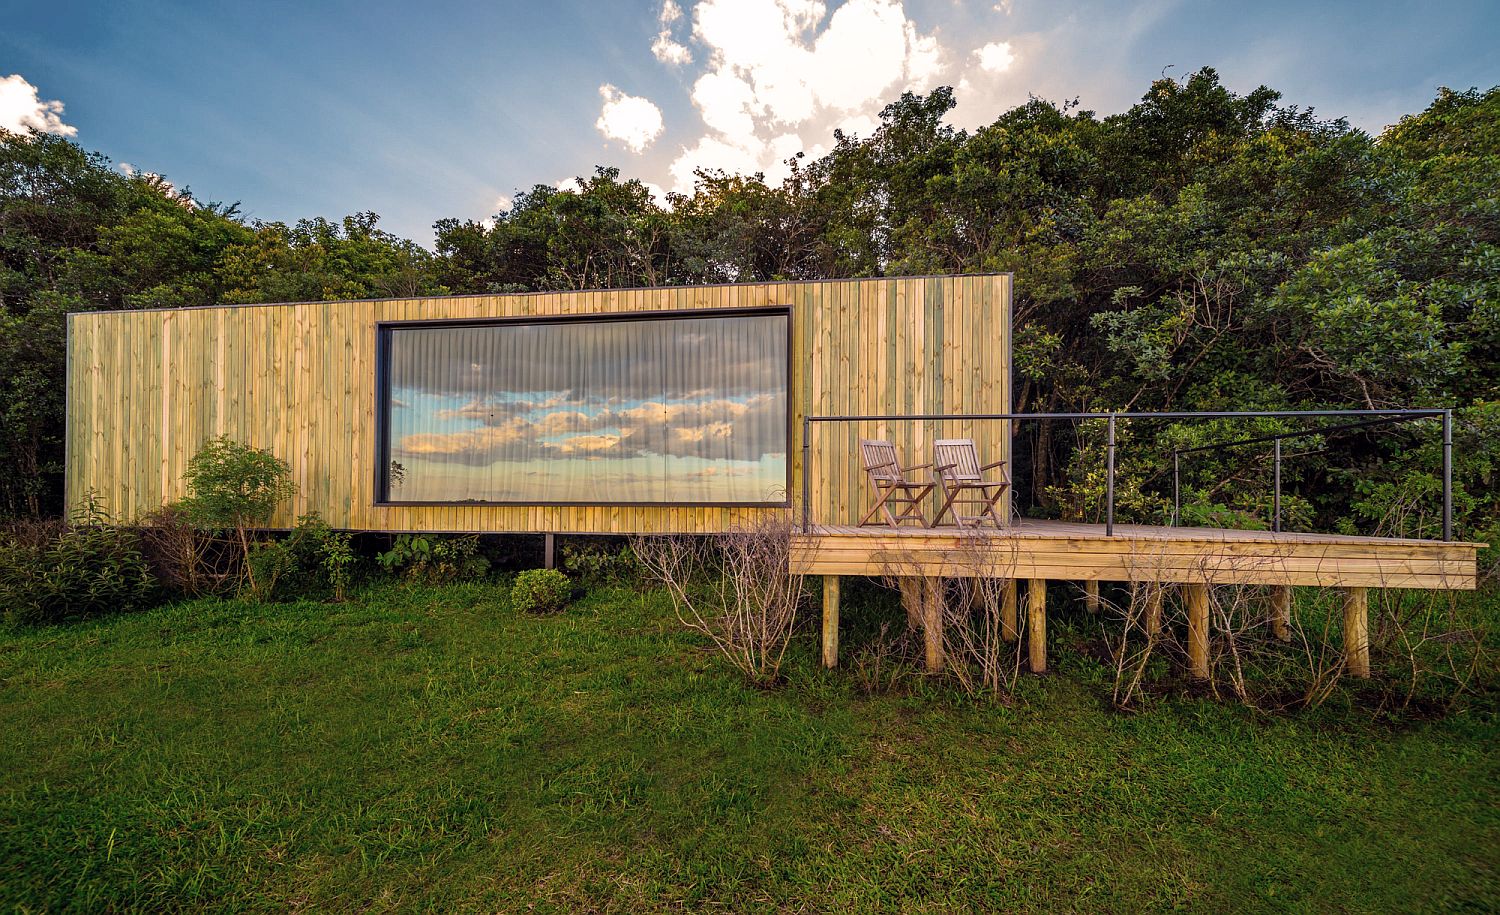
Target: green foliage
434	558
235	486
540	591
311	560
598	564
87	567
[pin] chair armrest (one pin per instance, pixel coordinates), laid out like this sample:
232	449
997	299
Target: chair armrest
943	468
993	466
915	467
880	465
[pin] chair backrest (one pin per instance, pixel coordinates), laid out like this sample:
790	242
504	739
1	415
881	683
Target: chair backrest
961	454
880	459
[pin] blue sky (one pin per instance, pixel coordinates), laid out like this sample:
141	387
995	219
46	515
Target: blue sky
421	111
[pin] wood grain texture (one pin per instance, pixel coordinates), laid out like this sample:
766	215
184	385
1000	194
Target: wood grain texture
1064	550
147	388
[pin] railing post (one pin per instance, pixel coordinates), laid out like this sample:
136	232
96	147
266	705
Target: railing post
806	469
1109	482
1176	488
1276	490
1447	474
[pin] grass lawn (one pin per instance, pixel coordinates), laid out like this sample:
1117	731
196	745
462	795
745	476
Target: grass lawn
431	749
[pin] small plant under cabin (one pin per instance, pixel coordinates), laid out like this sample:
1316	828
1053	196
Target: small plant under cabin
541	591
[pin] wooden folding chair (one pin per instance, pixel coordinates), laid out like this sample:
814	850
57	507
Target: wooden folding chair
961	481
891	484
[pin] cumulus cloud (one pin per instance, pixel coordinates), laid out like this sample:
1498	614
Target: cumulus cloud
22	109
782	74
995	57
631	119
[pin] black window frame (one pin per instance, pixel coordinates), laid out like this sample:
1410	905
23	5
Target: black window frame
382	444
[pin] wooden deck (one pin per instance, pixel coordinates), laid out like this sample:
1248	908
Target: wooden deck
1190	558
1034	549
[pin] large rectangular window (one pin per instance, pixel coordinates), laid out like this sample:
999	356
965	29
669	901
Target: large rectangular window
671	409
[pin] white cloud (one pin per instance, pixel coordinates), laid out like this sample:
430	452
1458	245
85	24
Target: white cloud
22	109
782	74
995	57
669	51
631	119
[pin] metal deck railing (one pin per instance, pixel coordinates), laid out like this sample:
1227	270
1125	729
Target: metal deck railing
1369	418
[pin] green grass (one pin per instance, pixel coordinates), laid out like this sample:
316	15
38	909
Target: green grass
432	749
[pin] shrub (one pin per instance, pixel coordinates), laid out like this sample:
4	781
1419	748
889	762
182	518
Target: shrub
434	559
737	589
186	561
540	591
65	572
311	560
234	487
597	564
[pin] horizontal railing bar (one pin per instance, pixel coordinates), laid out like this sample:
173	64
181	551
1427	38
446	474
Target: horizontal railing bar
1208	414
1342	427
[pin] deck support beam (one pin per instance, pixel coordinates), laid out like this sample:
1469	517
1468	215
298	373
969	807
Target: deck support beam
1281	612
1036	624
1357	632
1008	610
1091	595
830	621
932	623
1151	613
1197	647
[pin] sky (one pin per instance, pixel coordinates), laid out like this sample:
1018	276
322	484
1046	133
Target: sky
443	109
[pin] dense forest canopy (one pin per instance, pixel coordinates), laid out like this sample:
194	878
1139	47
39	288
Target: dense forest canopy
1202	250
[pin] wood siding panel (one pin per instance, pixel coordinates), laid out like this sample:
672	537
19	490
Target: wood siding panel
147	388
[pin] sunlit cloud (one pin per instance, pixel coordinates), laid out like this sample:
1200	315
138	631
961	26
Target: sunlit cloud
22	109
995	57
631	119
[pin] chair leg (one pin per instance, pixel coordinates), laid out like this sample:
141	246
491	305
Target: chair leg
880	506
989	506
948	497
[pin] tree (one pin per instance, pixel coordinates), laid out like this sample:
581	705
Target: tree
234	487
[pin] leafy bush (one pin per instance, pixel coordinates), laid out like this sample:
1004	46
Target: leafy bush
434	558
311	560
598	564
540	591
234	487
85	568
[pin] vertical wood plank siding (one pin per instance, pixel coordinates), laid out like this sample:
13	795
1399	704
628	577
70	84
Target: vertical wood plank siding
145	389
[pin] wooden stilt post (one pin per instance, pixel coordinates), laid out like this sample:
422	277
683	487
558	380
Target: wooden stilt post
1091	596
1281	612
1008	611
1357	631
1036	624
830	621
911	600
932	623
549	551
1197	608
1154	594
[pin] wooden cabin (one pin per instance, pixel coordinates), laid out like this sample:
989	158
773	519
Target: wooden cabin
606	411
